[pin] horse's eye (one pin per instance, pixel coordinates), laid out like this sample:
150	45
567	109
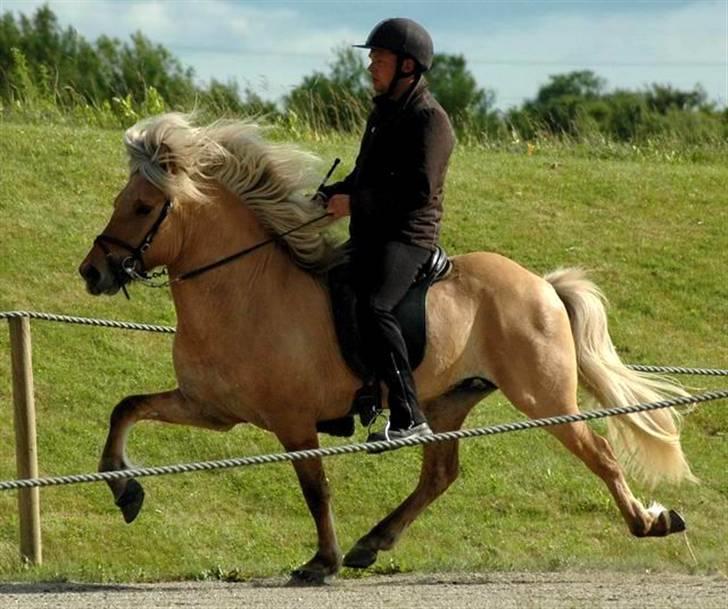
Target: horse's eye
142	209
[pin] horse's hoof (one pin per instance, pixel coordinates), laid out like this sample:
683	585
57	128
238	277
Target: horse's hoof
304	577
131	500
677	522
360	558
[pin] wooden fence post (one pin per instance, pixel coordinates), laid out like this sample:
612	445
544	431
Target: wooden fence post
26	449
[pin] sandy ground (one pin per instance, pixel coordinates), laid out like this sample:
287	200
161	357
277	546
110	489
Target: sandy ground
450	591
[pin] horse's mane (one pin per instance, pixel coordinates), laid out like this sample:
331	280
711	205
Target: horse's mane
182	158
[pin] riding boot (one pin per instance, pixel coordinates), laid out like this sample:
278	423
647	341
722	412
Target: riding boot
406	418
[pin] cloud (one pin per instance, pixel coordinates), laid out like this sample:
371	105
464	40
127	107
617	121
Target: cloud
662	42
511	47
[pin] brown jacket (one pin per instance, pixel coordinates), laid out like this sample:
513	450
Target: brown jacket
396	187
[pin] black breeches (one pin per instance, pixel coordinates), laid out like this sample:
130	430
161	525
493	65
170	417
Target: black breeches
381	280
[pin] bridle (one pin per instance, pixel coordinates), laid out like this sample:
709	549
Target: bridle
132	268
126	270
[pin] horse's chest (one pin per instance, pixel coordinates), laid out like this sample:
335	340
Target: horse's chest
220	385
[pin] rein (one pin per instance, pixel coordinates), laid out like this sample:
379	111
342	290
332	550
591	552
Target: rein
127	270
241	253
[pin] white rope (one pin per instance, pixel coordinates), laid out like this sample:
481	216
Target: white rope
361	447
127	325
87	321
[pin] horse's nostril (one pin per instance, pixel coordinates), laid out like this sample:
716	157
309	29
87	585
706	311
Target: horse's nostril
90	274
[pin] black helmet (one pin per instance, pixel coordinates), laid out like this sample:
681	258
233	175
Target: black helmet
402	37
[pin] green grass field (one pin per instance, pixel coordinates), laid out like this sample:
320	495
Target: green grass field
652	228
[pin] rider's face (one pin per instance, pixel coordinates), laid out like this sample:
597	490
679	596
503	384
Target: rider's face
382	66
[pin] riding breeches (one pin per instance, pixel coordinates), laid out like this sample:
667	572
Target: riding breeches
381	279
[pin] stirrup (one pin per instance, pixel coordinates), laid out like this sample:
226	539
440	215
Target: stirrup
367	402
414	431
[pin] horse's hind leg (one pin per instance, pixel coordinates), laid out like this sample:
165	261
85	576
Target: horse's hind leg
169	407
439	471
552	393
596	452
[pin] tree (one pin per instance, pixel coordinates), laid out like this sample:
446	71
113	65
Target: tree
582	84
562	103
457	90
662	98
224	98
337	100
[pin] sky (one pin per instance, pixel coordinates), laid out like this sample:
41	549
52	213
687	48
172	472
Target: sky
510	46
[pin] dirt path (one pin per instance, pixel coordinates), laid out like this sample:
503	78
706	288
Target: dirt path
450	591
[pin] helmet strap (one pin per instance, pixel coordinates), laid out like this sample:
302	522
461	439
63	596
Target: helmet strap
399	75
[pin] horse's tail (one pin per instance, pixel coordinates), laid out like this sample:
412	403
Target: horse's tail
647	443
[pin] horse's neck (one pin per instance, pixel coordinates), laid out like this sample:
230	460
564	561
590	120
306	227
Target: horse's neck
240	292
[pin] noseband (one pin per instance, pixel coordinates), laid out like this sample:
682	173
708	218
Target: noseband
131	267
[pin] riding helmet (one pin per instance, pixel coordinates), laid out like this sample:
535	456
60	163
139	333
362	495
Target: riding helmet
403	37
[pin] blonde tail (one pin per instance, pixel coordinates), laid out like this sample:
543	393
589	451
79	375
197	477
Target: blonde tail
647	443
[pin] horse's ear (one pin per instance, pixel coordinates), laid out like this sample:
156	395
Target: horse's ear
166	159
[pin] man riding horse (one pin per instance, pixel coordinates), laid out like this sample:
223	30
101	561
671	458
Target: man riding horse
394	197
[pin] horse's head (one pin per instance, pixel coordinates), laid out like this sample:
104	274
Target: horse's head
138	236
173	159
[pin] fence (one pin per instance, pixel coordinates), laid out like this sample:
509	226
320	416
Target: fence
26	442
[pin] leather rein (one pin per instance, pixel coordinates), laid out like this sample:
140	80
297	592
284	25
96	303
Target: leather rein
131	268
126	270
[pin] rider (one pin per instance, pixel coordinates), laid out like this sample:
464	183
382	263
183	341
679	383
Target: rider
394	197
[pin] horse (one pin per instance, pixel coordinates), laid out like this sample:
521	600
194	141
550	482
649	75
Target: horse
255	336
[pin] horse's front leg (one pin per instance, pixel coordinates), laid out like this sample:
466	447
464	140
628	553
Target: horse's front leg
315	487
169	407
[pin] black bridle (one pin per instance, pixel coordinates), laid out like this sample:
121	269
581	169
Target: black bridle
125	271
132	267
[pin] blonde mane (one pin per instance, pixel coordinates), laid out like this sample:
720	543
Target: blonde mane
182	158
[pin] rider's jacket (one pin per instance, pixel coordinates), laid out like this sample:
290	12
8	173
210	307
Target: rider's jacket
396	187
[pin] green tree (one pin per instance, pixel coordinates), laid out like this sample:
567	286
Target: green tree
145	64
662	98
337	100
224	98
457	90
562	103
94	72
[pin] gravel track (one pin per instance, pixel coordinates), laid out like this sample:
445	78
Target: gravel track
448	591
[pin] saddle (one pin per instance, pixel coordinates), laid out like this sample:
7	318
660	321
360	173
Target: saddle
411	314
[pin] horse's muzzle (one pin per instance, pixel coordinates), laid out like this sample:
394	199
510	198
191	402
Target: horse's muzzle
98	281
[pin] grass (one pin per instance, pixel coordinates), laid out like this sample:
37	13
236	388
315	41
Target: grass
651	226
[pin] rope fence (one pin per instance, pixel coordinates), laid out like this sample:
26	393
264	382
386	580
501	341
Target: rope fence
28	482
87	321
349	449
128	325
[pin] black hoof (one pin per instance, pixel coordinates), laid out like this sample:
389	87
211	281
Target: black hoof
677	522
360	558
131	500
304	577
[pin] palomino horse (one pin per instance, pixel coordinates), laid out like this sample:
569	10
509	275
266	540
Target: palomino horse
254	336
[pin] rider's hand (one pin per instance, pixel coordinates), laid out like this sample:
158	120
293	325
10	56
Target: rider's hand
339	206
